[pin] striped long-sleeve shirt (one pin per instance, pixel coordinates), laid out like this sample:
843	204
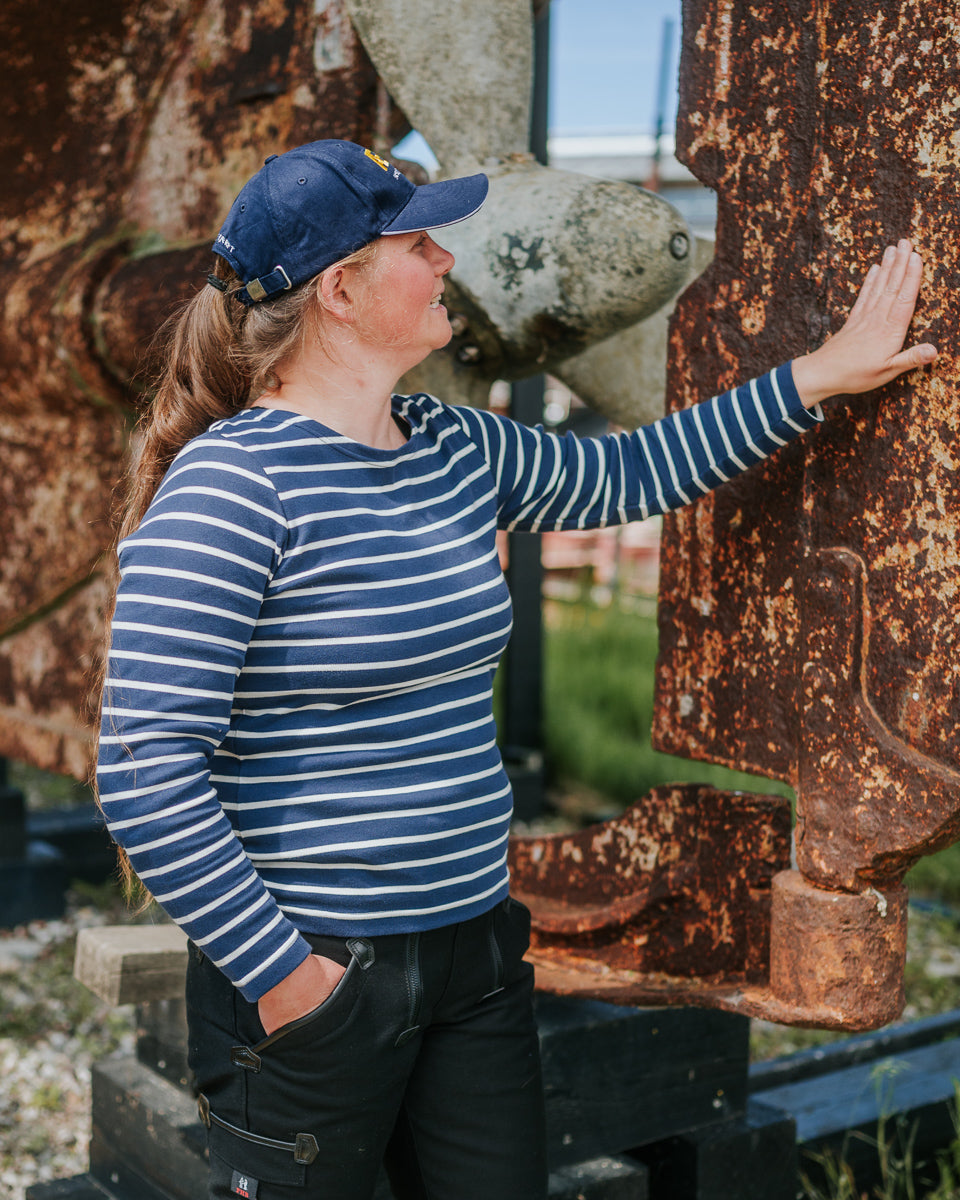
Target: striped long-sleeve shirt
297	727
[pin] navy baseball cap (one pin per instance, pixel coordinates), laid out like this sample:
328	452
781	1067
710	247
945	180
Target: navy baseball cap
314	205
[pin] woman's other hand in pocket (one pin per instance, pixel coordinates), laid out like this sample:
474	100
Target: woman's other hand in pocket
303	990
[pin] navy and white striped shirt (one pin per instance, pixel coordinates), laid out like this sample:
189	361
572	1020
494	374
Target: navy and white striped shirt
297	726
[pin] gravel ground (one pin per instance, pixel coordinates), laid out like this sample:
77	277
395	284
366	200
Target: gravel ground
52	1029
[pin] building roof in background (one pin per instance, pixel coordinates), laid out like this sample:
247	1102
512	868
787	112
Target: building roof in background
629	157
626	156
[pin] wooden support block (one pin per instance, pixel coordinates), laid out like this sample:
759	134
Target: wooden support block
744	1158
147	1141
843	1112
132	964
616	1078
148	1144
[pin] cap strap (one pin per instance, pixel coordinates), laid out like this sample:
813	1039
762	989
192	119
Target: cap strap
268	285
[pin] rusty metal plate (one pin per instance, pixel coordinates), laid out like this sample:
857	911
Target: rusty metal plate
155	112
129	125
817	168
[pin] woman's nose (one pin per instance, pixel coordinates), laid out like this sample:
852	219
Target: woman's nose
443	259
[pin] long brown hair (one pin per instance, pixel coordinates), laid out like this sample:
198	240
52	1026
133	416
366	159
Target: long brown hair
218	355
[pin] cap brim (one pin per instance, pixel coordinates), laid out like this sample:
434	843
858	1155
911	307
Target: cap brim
445	202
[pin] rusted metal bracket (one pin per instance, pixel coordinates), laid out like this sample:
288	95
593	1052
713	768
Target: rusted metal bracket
668	903
687	898
870	804
808	611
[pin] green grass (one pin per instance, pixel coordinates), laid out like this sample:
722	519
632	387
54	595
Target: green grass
938	876
902	1176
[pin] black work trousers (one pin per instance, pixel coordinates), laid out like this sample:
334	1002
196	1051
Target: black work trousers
424	1058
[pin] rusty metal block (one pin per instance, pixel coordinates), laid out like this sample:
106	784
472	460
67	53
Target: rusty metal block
837	957
808	617
808	611
668	902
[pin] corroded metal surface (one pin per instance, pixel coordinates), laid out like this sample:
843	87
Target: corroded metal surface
679	885
838	957
126	124
809	617
687	899
871	801
131	127
816	170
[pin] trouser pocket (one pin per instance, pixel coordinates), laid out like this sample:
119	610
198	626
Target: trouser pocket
241	1162
265	1098
321	1022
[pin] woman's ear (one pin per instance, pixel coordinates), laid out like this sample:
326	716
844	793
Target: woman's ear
334	296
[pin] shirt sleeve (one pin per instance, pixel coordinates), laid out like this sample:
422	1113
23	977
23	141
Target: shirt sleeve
550	482
192	579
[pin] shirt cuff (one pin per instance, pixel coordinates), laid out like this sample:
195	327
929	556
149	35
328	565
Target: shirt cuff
788	389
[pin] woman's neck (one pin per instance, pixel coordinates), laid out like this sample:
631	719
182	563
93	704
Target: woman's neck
347	395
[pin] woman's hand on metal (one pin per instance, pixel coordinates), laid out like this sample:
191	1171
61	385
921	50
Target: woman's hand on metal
303	990
868	351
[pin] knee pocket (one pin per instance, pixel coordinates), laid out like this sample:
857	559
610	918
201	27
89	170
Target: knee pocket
238	1168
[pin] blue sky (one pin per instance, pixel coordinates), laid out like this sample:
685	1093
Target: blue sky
605	62
604	68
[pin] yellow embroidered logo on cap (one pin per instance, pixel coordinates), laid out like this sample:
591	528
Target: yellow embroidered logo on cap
377	159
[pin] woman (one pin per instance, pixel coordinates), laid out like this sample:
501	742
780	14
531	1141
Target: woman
298	750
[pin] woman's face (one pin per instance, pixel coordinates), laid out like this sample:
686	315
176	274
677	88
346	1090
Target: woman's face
401	305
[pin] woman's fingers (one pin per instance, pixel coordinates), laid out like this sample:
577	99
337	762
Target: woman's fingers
910	284
888	298
869	290
889	282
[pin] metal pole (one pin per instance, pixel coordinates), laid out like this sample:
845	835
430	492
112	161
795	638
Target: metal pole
666	48
522	669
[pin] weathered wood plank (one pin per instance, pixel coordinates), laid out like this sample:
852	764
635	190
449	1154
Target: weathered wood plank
744	1158
616	1078
132	964
147	1141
